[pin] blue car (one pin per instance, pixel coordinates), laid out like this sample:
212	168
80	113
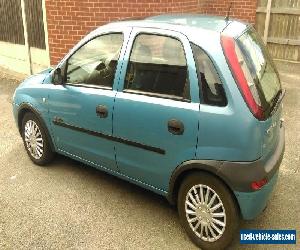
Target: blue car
187	106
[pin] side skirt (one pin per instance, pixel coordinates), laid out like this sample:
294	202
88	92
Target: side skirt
117	174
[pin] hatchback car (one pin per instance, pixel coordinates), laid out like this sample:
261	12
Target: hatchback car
187	106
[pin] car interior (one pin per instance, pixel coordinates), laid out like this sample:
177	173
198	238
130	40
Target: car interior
156	75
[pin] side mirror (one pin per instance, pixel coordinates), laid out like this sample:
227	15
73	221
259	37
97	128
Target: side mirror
57	78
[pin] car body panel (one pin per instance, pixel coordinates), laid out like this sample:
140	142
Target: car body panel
134	122
253	203
76	106
115	173
215	138
271	128
144	119
235	28
31	92
211	23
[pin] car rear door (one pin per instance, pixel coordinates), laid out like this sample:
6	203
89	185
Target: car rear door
156	111
81	110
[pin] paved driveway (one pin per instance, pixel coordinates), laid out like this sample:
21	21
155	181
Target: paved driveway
70	205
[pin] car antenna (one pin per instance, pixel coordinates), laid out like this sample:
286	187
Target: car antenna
228	12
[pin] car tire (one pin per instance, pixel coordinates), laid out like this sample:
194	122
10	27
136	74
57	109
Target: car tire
210	221
35	140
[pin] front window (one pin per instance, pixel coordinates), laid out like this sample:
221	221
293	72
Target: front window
95	62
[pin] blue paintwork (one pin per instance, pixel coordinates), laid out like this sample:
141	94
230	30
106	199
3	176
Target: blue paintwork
32	91
211	23
144	118
252	204
77	106
228	133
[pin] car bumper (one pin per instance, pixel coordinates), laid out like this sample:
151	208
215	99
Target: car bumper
240	175
253	203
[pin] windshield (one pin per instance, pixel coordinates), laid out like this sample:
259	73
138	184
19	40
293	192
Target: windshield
260	68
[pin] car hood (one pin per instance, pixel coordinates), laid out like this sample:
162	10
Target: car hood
36	78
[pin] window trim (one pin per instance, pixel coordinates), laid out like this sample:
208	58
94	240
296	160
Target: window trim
152	94
200	82
90	86
157	95
85	85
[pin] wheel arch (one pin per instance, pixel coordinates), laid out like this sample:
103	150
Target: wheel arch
27	108
211	167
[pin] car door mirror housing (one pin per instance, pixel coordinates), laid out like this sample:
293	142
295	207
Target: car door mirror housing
57	78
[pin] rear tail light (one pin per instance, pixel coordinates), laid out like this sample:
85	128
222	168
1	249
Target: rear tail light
256	185
230	50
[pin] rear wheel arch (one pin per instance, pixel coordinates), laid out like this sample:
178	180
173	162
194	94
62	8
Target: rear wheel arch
210	167
204	200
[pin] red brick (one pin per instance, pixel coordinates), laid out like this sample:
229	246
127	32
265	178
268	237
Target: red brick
69	20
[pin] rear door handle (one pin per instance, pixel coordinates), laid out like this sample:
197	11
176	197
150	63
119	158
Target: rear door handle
102	111
175	127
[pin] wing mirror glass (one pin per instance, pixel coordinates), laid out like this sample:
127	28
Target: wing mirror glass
57	78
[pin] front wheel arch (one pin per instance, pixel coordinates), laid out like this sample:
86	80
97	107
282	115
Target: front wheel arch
26	108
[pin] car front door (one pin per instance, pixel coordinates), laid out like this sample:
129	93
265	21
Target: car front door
81	109
156	111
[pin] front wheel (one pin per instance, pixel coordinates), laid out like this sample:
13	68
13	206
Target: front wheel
207	211
35	140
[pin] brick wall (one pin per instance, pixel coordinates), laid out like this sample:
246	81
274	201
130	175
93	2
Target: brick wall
240	9
69	20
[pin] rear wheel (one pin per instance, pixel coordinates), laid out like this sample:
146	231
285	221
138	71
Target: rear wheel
35	140
207	211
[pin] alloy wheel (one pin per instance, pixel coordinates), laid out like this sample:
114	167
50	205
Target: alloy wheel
33	139
205	213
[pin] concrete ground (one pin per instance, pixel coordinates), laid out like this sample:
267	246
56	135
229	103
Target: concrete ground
70	205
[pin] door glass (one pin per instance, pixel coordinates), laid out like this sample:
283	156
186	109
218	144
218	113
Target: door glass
95	62
158	65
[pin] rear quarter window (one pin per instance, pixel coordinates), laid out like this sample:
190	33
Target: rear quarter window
211	88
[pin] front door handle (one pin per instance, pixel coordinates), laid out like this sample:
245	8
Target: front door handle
175	127
102	111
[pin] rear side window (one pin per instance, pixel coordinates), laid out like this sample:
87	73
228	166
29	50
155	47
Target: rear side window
211	88
157	66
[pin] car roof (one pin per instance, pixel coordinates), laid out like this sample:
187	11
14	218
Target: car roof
202	30
213	23
185	23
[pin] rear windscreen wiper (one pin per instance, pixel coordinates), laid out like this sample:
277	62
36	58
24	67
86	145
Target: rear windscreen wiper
277	100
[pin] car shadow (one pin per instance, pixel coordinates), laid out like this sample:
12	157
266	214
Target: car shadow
92	174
